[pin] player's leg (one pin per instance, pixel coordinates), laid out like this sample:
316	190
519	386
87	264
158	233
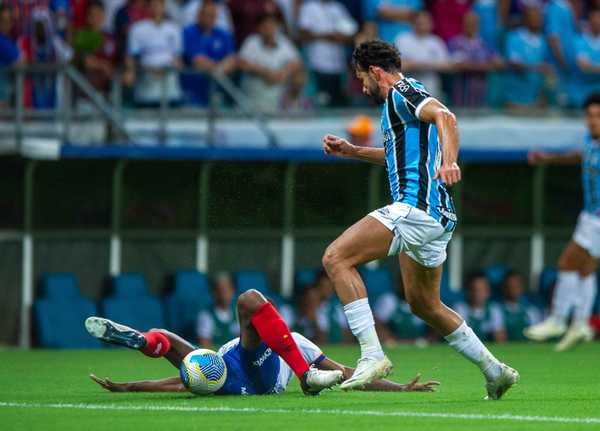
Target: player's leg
154	343
573	261
422	290
260	322
583	297
367	240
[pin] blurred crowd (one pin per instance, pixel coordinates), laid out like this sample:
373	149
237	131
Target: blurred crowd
498	309
294	54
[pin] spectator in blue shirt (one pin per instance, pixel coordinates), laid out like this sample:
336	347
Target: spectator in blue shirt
489	17
392	16
561	30
207	49
527	55
9	54
587	57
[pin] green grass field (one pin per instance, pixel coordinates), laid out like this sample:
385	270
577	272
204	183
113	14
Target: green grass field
50	390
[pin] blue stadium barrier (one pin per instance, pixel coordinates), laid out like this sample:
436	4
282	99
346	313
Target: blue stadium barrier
60	312
191	293
132	305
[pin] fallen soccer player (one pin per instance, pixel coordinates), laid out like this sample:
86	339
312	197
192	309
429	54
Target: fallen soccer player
260	361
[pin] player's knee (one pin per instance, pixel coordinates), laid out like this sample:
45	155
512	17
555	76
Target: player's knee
332	259
249	302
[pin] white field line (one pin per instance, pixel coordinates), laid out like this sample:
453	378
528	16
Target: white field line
225	409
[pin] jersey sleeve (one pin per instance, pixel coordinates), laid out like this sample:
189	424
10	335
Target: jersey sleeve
311	352
416	96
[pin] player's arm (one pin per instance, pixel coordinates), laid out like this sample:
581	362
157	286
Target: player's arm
171	384
544	158
336	146
445	121
381	385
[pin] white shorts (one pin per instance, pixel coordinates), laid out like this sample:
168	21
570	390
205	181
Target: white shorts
416	233
587	233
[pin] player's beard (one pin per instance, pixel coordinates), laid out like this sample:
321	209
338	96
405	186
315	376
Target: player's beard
374	91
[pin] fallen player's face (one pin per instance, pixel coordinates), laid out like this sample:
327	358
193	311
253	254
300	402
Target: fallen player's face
592	118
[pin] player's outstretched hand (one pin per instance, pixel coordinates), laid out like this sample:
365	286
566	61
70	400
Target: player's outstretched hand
336	146
450	174
415	386
109	385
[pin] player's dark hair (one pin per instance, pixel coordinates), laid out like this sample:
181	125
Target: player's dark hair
376	53
476	275
265	16
592	99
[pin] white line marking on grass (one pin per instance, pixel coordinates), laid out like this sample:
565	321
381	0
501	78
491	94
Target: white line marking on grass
225	409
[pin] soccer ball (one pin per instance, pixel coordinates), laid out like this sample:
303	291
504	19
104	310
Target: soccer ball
203	372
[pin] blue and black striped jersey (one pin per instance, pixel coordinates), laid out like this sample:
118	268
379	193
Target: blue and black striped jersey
413	153
590	176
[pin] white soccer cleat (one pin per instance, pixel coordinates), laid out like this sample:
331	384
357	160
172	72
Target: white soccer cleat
315	380
114	333
368	370
577	333
497	388
545	330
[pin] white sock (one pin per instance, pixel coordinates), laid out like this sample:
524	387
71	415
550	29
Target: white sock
362	325
585	302
465	342
565	296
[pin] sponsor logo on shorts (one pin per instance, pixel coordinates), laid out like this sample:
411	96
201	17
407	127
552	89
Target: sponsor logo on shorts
260	361
448	214
384	211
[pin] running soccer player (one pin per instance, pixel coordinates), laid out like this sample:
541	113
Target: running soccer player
576	285
261	361
420	154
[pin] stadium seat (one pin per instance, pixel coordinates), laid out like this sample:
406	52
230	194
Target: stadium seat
129	285
495	275
547	280
59	314
59	285
132	305
245	280
378	281
191	293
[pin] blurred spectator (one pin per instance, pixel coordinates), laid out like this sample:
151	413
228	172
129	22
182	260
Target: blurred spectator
587	57
95	50
43	46
223	17
208	49
9	56
79	10
561	30
393	17
448	16
395	321
368	31
271	65
327	29
22	14
424	55
217	326
127	15
490	13
484	318
322	316
291	10
245	15
61	16
155	46
473	59
527	56
360	131
517	313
